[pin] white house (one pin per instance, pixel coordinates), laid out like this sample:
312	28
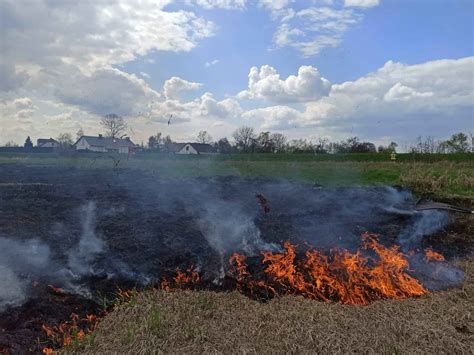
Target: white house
47	143
192	148
105	144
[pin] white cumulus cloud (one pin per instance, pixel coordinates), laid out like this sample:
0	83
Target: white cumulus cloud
399	92
175	86
266	84
397	99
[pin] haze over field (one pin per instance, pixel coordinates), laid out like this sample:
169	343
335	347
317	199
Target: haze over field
384	70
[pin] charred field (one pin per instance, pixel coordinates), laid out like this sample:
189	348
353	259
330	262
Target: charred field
72	239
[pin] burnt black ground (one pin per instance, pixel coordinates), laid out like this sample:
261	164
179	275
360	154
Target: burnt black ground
151	226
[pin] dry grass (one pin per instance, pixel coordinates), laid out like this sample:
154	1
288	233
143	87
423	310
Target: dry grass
207	322
439	178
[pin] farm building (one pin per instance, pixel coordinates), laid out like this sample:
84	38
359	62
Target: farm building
191	148
103	144
47	143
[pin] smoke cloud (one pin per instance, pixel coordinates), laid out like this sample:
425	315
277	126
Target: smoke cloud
143	229
20	264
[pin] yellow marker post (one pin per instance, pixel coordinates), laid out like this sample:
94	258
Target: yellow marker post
393	156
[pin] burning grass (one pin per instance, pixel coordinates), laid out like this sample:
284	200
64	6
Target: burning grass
203	321
373	273
339	276
137	229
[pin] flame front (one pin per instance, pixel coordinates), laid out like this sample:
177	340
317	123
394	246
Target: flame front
64	333
431	255
183	280
338	276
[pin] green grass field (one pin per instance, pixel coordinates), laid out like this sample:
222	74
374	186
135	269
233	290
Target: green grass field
433	175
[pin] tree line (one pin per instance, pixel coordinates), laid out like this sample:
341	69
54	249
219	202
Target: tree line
247	140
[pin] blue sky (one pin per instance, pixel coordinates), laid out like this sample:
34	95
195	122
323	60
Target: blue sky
405	31
380	69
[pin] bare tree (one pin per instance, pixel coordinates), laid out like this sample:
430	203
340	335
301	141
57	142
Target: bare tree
11	144
322	145
65	140
114	125
279	142
204	137
244	138
264	144
79	134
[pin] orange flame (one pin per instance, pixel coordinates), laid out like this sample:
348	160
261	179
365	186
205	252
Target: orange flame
339	276
182	280
64	333
431	255
49	332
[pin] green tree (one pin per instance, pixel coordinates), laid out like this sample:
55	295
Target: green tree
458	143
223	146
155	141
28	144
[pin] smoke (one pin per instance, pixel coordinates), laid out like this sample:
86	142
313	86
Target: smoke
20	264
227	228
152	226
423	223
435	275
89	247
25	262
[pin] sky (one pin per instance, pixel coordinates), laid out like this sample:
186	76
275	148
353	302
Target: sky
382	70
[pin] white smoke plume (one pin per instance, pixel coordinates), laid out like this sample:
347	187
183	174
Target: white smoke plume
425	223
81	257
20	263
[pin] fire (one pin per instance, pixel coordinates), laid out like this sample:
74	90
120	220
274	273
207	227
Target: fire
338	276
56	290
431	255
371	273
67	331
182	280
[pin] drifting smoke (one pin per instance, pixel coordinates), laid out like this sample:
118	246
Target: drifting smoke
24	262
227	229
89	247
152	226
20	263
424	223
11	288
